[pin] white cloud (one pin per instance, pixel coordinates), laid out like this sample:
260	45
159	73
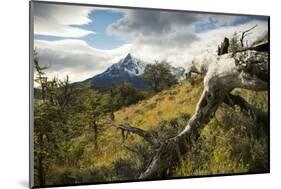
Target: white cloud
76	58
181	52
154	36
61	20
156	28
158	35
80	61
210	40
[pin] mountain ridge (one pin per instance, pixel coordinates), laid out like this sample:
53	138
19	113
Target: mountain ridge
128	69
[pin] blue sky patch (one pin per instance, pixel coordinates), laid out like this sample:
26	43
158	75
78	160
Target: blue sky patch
212	23
101	19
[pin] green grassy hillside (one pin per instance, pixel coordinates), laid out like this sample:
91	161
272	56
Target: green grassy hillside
232	142
147	114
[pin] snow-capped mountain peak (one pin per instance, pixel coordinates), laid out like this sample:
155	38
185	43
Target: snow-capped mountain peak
130	64
128	69
179	72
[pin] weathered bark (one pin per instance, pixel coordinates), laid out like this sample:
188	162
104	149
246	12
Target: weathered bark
172	150
244	34
144	134
223	49
262	47
217	85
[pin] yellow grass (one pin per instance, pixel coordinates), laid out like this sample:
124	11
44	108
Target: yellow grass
146	114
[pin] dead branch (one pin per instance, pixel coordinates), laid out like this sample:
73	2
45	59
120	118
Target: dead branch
246	33
223	48
263	47
144	134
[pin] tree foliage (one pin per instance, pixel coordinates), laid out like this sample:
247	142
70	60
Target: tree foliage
126	94
158	76
234	43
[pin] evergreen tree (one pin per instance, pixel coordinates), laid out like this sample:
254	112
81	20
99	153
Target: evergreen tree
234	43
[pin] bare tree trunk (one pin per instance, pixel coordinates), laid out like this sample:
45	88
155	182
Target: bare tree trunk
216	89
172	150
264	47
223	49
244	34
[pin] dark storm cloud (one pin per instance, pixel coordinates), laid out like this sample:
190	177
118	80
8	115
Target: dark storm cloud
148	22
160	28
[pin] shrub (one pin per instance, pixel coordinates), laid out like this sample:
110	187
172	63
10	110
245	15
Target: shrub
125	169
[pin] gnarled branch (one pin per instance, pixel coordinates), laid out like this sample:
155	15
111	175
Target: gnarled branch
263	47
244	34
144	134
216	88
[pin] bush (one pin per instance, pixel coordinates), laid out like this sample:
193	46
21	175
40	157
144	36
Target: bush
125	169
70	175
171	127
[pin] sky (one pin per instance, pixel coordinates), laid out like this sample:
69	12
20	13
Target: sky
81	41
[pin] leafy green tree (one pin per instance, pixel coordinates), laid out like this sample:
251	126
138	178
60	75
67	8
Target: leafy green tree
158	76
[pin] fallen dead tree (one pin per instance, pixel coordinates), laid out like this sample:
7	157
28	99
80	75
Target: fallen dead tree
246	69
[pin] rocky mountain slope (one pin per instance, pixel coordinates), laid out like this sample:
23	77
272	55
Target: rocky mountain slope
128	69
